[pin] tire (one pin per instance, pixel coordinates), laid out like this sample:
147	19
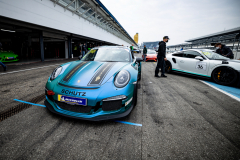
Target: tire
140	75
224	75
168	67
135	95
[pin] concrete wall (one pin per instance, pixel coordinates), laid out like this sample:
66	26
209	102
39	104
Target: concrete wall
43	13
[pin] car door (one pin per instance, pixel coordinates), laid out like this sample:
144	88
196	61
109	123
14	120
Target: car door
176	58
191	65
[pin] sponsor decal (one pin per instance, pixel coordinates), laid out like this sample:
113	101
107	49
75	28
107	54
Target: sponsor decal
73	71
101	74
73	92
126	103
72	100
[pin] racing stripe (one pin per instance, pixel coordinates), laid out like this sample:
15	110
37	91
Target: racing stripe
101	74
73	71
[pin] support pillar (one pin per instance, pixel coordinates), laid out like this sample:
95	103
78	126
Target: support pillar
237	48
41	45
69	47
66	49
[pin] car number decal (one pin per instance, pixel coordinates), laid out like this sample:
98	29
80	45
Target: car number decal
201	65
73	71
101	74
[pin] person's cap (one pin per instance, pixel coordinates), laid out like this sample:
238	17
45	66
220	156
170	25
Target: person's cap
166	37
217	44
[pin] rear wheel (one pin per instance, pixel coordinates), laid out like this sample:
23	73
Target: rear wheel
224	75
168	67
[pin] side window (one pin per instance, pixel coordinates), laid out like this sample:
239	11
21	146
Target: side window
180	54
191	54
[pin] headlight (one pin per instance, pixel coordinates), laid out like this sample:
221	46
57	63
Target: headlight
55	73
122	79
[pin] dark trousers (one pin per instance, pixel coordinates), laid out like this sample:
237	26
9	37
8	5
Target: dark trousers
2	65
160	64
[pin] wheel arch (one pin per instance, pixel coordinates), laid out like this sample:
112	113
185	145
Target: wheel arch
237	73
222	67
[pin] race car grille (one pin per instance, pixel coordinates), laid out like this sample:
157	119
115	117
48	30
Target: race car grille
111	105
74	108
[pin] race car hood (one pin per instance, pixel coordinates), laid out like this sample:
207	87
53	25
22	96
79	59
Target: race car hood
90	74
232	60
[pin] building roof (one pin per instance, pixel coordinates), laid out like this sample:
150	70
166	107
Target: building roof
226	32
108	12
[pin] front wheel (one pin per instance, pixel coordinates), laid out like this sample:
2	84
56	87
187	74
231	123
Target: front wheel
135	92
224	75
168	67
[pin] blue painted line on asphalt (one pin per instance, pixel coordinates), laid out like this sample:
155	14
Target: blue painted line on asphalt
231	90
29	103
134	124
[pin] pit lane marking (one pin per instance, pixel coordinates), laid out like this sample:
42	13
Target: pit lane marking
30	103
230	95
29	69
130	123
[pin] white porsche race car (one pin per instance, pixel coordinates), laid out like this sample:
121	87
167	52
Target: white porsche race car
205	63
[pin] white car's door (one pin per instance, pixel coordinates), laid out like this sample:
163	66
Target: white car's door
175	59
191	65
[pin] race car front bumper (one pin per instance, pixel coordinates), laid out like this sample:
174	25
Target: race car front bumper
98	118
96	110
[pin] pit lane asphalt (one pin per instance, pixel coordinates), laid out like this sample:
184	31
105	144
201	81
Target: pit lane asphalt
181	118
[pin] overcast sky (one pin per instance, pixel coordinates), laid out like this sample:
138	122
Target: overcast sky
179	19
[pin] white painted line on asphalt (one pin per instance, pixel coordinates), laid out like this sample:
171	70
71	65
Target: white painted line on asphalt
29	69
236	98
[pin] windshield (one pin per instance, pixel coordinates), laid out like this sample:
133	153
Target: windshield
212	55
151	52
108	55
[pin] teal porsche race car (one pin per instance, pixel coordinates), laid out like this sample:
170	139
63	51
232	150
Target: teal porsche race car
100	86
8	56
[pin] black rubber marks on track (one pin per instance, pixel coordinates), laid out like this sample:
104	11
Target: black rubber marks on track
18	108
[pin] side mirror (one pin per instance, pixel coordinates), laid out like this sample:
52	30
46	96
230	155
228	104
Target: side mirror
80	57
139	60
199	58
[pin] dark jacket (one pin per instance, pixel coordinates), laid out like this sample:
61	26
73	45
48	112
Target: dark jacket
226	51
144	50
162	49
84	48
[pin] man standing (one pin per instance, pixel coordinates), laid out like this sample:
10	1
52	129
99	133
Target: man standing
4	67
161	57
144	53
84	48
224	50
131	47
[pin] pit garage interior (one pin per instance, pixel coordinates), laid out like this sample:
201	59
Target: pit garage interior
26	41
33	37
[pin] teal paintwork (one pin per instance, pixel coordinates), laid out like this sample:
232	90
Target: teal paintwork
94	94
190	72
